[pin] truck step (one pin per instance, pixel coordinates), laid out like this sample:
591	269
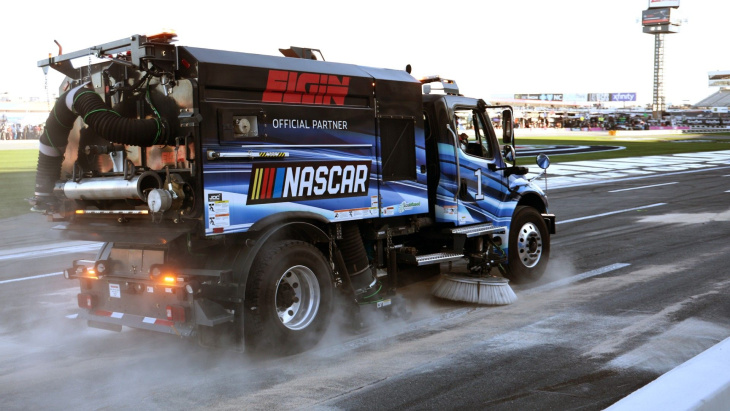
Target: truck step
427	259
477	230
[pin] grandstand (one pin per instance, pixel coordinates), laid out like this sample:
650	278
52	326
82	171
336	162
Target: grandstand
721	98
23	111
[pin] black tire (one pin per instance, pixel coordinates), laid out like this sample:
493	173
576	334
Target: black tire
529	246
289	298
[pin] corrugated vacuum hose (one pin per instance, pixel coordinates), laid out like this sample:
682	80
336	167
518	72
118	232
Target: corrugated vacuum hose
83	101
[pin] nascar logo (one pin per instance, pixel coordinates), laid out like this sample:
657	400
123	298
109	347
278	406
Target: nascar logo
272	183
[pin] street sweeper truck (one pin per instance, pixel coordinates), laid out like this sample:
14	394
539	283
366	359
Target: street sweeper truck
248	197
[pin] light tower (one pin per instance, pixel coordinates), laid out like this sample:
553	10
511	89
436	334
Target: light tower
657	20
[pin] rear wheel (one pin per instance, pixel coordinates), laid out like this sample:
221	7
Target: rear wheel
289	295
529	246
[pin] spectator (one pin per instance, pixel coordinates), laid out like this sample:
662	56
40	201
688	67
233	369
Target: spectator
463	138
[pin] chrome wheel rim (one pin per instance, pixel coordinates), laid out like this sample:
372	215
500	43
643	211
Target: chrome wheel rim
529	245
297	297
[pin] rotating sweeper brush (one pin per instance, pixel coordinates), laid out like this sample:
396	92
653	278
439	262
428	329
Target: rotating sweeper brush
477	290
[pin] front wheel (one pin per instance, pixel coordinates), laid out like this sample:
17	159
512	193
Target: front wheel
289	298
529	246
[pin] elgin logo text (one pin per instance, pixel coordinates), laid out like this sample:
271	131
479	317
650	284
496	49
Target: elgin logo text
305	88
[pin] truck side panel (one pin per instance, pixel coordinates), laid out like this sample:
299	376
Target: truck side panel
288	140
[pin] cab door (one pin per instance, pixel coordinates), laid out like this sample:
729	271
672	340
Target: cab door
481	192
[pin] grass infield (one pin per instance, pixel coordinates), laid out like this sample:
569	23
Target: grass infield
17	181
17	167
633	146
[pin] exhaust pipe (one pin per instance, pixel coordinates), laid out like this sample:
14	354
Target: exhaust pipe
110	188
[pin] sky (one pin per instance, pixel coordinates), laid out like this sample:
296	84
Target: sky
490	48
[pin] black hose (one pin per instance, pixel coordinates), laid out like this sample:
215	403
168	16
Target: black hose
105	122
115	128
52	147
356	260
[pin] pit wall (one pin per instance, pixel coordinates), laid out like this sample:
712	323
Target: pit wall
701	383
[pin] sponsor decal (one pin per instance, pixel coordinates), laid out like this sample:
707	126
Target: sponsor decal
272	183
317	124
115	291
273	154
219	214
450	210
305	88
623	96
409	205
356	213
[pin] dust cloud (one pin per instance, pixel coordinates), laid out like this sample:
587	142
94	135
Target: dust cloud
560	267
78	367
51	362
368	323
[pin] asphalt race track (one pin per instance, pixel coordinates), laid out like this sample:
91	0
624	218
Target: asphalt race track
637	285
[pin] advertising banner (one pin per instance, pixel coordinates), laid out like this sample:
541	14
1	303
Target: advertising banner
663	3
656	16
540	97
575	97
598	96
623	96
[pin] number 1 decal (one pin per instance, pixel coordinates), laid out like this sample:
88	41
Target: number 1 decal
478	174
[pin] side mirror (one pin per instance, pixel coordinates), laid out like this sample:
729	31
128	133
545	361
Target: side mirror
507	126
543	161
